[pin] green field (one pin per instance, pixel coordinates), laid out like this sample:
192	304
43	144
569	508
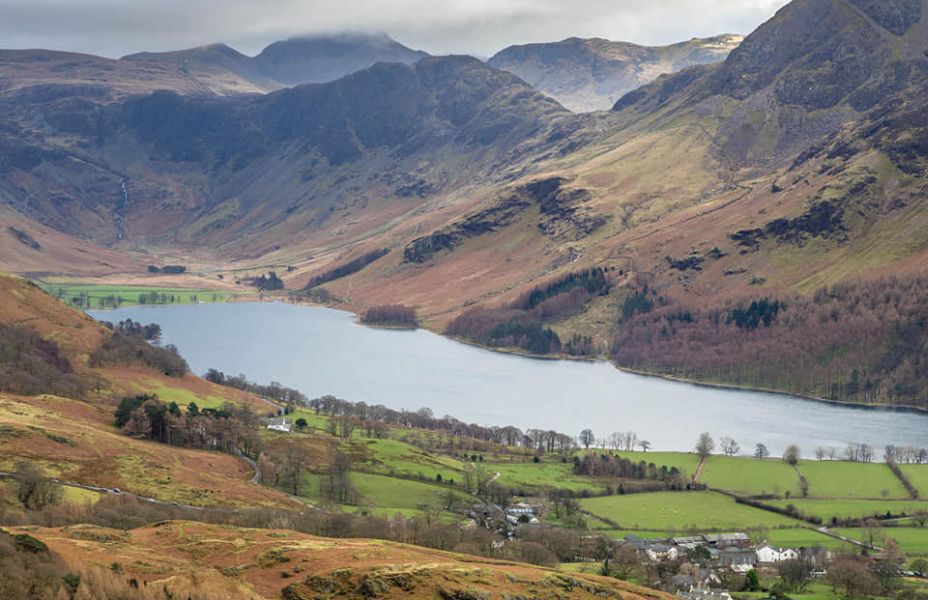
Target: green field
110	296
391	493
621	534
313	421
850	508
800	537
181	396
392	457
750	476
918	476
912	540
530	476
682	511
840	479
815	591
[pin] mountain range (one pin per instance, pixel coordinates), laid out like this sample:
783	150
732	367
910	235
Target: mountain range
592	74
788	175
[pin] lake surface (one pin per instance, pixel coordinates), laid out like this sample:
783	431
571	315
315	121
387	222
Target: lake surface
322	351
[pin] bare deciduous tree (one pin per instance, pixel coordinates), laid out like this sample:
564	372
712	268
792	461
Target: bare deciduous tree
705	445
729	446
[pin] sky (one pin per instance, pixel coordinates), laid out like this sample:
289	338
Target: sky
479	27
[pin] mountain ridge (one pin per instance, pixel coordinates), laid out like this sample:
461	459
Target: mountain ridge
592	74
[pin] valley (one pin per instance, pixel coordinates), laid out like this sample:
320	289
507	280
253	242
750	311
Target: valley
361	470
698	194
342	318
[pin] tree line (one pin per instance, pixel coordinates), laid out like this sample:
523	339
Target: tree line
393	315
523	323
168	269
349	268
606	465
150	332
266	283
227	429
31	365
359	414
274	390
122	348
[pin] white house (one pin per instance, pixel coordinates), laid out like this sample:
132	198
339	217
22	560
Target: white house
767	554
661	552
521	508
282	424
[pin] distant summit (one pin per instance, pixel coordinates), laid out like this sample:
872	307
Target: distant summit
298	60
323	58
591	74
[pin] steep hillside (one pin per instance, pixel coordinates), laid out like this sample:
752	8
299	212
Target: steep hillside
592	74
71	433
206	170
249	563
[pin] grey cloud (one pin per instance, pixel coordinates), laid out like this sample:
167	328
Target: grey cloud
480	27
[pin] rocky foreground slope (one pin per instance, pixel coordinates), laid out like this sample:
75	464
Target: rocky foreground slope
238	563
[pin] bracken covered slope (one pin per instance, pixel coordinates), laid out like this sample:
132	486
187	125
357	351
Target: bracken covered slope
251	563
64	422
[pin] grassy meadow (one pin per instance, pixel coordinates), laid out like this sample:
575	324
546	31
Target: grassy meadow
682	512
87	296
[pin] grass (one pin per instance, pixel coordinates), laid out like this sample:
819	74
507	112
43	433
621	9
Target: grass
79	496
181	396
912	540
313	421
101	296
648	534
530	476
918	475
840	479
800	537
750	476
815	591
391	493
385	495
852	508
390	457
682	511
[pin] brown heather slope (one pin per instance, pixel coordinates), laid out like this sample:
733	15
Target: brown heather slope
74	439
252	563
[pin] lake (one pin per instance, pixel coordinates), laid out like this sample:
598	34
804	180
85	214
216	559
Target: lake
323	351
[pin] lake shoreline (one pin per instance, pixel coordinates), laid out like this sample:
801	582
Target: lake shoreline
348	309
900	408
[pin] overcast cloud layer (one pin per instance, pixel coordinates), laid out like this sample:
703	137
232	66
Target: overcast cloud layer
480	27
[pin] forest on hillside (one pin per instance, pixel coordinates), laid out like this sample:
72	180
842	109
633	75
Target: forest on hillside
863	341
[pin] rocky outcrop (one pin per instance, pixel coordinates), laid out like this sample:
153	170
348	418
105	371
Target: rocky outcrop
491	219
896	16
562	217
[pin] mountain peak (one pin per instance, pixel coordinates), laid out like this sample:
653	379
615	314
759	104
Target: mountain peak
321	58
587	74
